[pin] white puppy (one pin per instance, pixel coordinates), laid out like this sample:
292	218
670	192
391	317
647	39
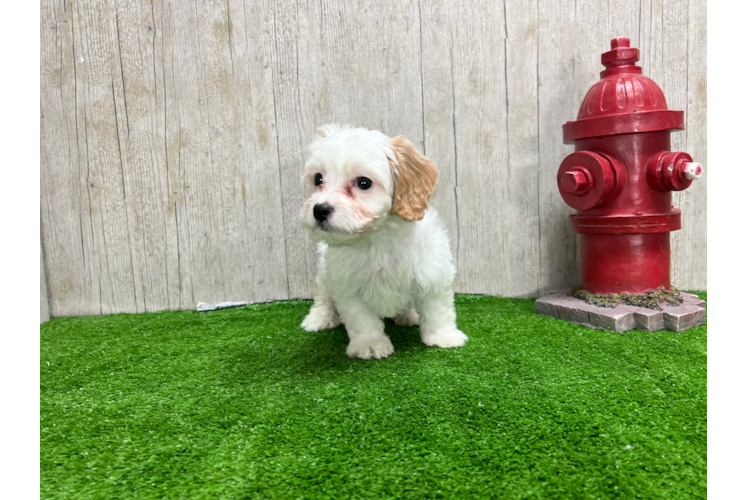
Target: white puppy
382	251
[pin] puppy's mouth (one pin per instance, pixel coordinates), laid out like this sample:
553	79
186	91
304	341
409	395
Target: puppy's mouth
335	235
325	226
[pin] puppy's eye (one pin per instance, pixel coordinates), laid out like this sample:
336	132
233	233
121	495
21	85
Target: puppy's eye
317	179
363	183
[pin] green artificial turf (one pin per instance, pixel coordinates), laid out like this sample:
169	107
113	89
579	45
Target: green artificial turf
242	403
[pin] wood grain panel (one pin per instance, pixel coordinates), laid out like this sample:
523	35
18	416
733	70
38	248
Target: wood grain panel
573	35
173	135
43	298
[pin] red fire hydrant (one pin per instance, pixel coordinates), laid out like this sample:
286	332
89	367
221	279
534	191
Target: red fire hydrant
621	176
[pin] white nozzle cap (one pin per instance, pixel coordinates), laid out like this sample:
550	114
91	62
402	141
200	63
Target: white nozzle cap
693	171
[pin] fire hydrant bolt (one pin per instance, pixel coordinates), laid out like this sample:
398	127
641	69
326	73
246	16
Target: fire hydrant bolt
575	181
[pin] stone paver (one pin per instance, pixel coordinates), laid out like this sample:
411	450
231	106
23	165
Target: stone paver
693	300
562	305
683	317
615	318
576	313
548	306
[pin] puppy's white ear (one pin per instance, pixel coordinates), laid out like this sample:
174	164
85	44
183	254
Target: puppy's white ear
415	180
324	131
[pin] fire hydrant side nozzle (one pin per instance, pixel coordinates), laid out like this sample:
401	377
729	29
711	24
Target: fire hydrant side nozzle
621	177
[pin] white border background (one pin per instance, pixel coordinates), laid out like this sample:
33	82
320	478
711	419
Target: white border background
726	262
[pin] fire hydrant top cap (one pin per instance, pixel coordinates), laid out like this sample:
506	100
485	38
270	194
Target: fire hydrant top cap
624	101
622	54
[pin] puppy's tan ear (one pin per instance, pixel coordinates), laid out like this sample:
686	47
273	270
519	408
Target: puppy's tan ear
415	180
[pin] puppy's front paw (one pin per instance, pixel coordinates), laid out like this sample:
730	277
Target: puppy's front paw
408	318
321	317
451	337
367	347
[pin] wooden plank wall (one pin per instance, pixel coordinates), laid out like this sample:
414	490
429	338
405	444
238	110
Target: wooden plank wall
173	135
43	298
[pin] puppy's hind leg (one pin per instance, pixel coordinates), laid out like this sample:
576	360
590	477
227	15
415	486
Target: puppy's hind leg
408	318
322	315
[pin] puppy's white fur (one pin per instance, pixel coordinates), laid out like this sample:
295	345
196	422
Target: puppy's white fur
373	263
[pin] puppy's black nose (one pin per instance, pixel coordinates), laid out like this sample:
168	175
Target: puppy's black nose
322	211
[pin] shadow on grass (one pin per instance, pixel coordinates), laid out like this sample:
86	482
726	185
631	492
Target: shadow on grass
291	354
303	354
